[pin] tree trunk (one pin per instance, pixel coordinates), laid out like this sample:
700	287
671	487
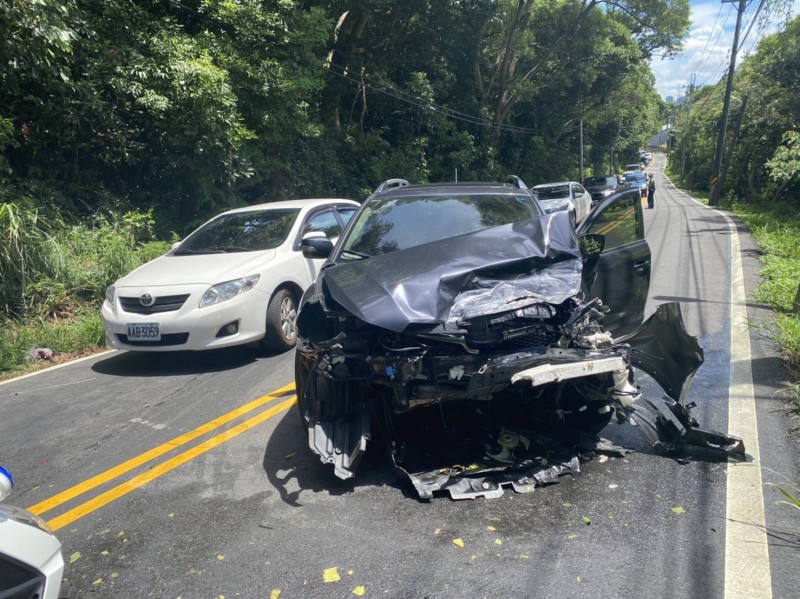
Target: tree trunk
796	307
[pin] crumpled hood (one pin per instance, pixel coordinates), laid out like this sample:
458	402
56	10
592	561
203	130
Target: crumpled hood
207	269
489	271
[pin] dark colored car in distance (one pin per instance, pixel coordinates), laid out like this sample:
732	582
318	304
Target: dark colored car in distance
638	181
601	186
460	329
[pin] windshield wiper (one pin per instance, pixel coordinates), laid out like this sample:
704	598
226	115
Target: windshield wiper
217	249
361	255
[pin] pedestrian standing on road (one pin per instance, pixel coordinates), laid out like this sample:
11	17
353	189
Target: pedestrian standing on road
651	191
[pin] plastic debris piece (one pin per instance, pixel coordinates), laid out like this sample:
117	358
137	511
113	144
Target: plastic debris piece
359	591
349	572
498	541
274	594
678	510
331	575
74	557
613	486
458	543
587	520
97	582
566	504
573	536
491	528
603	459
437	531
221	557
104	552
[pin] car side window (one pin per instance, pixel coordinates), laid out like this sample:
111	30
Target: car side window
346	214
618	223
325	223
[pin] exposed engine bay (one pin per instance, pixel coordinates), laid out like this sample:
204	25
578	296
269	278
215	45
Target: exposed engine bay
489	370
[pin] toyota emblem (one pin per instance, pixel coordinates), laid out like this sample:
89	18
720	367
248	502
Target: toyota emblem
147	300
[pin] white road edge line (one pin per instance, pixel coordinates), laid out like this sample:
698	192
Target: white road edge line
56	367
747	569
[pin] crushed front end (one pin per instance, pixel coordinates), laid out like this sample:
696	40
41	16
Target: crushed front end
483	372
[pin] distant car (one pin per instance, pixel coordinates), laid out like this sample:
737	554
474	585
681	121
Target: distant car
601	186
633	168
567	195
235	280
638	180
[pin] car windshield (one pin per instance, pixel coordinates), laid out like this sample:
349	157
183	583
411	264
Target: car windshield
241	232
387	225
554	192
600	181
635	178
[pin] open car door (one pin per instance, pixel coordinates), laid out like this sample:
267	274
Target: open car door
623	270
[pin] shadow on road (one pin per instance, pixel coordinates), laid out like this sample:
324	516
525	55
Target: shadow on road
694	300
144	364
292	468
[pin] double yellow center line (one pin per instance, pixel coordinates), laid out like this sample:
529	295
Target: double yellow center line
134	483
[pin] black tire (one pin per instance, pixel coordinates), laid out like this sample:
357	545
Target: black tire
302	372
281	330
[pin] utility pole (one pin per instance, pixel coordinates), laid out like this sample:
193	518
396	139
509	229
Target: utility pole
581	173
716	177
689	93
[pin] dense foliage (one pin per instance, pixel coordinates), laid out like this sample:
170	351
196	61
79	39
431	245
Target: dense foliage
763	144
191	106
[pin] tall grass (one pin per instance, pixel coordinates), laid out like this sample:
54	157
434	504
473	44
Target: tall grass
776	227
53	276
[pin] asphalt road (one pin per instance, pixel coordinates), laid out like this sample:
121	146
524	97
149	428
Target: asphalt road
186	475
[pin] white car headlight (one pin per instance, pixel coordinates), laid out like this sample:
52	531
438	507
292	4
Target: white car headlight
560	205
110	294
228	290
17	514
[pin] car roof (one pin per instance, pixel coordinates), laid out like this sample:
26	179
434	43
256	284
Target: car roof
297	204
450	188
543	185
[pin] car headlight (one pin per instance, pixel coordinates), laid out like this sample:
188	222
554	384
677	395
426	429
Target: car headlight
562	205
110	294
17	514
228	290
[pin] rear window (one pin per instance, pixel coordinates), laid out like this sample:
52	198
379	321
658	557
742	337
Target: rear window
598	181
390	224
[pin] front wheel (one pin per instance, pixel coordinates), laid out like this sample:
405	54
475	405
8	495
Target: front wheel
281	330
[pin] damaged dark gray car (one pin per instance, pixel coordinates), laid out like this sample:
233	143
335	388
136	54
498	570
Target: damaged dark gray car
485	344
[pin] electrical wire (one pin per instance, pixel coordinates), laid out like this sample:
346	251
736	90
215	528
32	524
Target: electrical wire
424	104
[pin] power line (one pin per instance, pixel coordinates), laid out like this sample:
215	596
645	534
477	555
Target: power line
397	94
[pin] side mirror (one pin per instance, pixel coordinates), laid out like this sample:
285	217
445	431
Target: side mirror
315	248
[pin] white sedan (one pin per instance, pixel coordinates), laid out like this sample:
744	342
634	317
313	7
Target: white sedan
236	279
567	195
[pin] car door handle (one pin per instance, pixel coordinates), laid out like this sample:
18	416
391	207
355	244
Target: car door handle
641	266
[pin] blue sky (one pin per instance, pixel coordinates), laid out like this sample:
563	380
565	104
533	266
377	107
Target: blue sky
707	49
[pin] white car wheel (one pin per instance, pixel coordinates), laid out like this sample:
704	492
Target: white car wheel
281	334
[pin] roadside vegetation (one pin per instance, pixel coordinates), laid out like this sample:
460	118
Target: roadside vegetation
54	279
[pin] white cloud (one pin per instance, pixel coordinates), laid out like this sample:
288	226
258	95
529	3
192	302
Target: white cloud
707	48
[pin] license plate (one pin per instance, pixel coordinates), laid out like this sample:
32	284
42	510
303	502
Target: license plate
144	331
